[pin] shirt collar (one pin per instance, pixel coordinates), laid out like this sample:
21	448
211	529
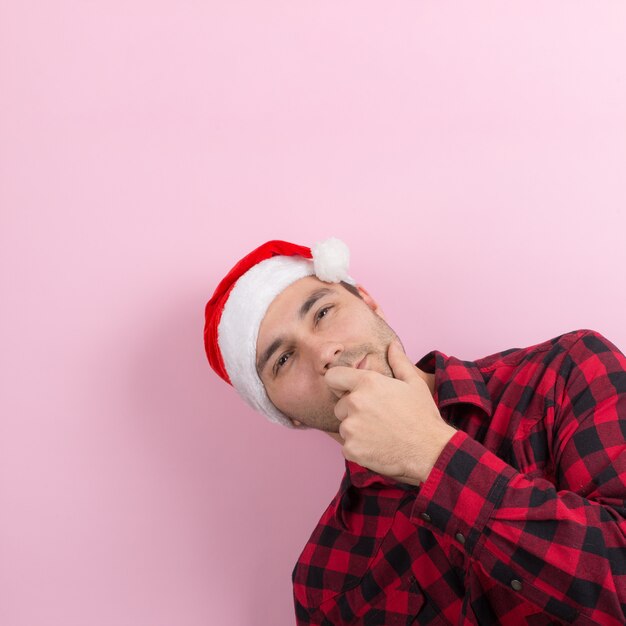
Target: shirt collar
456	382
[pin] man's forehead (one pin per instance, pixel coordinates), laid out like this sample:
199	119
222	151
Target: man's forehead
298	292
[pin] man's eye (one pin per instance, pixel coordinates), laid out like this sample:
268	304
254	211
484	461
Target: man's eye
280	362
320	313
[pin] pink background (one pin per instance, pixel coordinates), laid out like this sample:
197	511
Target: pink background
471	154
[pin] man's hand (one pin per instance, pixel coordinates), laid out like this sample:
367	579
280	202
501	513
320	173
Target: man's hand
389	425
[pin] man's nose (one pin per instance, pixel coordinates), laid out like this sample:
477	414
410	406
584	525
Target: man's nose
328	355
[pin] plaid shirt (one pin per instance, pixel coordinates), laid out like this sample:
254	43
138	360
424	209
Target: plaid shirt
522	520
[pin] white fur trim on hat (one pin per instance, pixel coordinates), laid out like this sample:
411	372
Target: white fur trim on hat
246	307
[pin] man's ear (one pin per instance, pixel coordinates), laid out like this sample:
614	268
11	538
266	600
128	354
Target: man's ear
371	303
299	425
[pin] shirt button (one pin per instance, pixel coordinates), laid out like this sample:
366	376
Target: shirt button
426	517
516	584
460	538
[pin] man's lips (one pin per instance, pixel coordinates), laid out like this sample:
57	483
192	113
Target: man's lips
362	363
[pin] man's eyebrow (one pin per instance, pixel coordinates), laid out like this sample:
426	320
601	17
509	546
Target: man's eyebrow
304	309
312	299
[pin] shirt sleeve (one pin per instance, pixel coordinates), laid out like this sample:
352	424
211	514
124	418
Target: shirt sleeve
560	545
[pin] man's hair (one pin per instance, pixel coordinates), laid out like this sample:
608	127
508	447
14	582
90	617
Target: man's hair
352	289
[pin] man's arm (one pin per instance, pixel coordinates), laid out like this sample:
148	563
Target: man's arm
561	547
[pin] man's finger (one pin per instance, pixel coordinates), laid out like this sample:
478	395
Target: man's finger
341	410
401	365
341	379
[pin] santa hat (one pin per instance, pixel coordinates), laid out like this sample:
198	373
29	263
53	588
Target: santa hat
234	313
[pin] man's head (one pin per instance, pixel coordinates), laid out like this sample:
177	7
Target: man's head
308	328
281	318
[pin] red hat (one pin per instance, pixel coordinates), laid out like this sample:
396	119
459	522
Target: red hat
234	313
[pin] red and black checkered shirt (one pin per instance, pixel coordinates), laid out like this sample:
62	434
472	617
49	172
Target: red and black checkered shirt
522	520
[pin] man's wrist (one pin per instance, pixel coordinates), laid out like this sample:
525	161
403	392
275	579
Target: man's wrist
427	458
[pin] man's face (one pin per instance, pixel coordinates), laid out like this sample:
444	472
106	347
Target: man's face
310	327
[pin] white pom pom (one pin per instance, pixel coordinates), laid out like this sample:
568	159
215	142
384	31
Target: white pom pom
330	260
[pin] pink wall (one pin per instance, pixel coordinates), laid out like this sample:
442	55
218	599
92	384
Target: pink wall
473	156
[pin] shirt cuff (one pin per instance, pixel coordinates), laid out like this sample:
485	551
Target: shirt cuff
461	491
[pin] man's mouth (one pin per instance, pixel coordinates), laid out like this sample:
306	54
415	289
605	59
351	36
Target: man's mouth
362	363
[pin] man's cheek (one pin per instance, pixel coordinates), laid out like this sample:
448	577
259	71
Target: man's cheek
298	390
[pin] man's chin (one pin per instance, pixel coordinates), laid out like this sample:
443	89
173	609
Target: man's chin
385	369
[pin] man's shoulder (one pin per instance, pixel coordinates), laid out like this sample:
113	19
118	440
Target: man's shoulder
552	349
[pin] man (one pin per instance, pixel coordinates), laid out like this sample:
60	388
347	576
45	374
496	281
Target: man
475	492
